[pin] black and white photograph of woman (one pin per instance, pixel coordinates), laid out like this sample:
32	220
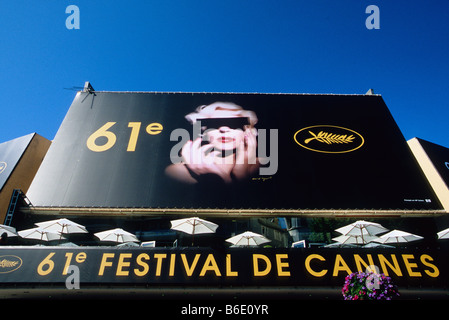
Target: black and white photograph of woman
226	148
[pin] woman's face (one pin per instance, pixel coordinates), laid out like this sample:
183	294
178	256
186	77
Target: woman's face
225	138
225	133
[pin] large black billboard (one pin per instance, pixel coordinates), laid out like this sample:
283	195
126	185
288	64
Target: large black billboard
230	151
236	267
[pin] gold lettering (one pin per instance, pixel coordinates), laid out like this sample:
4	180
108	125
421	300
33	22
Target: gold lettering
68	255
154	128
310	270
171	272
409	265
190	269
134	135
281	265
105	263
425	261
340	265
384	262
229	272
81	257
122	263
159	257
46	262
359	262
257	272
140	257
210	265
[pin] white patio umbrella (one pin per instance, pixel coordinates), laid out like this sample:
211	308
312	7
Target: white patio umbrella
116	235
62	226
248	238
193	226
363	229
444	234
398	236
354	239
10	231
40	234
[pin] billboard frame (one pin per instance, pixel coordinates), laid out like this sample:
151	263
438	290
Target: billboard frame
132	212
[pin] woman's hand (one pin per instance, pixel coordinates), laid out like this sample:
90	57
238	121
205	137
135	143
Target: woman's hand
246	161
198	160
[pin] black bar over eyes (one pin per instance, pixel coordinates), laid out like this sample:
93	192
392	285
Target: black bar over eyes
216	123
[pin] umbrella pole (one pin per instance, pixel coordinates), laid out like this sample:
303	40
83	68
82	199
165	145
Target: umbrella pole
361	233
193	233
60	235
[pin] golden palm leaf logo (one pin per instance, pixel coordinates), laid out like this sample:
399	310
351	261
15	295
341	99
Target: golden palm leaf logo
330	138
9	263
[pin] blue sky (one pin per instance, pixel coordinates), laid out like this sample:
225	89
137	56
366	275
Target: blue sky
224	46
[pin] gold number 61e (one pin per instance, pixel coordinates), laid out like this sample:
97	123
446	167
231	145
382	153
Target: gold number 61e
152	129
